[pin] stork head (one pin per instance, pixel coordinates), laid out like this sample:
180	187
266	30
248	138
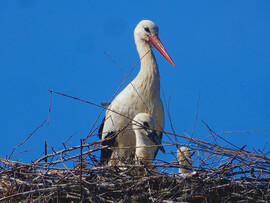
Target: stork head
147	32
144	124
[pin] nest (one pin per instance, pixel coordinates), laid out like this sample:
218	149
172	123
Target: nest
221	175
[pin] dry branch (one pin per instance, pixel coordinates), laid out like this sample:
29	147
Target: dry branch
242	176
221	174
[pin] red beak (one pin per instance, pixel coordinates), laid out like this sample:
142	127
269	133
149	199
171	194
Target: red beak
155	41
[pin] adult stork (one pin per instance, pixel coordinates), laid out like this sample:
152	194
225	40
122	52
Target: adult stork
143	125
142	95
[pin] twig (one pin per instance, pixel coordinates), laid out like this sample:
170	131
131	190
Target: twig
50	108
26	139
81	157
46	147
218	135
196	116
126	78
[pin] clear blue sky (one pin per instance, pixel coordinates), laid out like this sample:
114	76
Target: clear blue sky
221	49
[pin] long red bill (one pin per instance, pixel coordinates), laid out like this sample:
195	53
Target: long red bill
155	41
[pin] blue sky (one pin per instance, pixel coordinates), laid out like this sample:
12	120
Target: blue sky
221	50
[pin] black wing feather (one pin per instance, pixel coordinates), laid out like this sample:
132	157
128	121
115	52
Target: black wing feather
158	148
101	129
109	142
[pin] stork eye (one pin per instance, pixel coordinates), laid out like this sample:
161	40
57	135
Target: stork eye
147	29
146	124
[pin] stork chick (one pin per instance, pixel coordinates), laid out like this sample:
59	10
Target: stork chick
143	125
184	159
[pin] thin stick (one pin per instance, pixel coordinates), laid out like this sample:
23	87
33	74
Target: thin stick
88	102
50	108
168	109
81	157
196	117
46	152
219	136
115	63
127	76
26	139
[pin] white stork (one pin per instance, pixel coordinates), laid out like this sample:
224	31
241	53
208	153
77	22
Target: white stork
184	159
143	125
142	95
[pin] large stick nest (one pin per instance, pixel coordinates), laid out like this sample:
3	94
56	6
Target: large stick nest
221	175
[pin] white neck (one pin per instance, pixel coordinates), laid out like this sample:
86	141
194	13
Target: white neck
149	72
143	151
142	140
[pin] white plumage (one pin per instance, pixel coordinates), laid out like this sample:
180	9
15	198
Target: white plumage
143	125
184	159
142	95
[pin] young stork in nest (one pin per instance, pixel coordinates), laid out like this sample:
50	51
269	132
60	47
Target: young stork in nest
143	125
184	159
142	95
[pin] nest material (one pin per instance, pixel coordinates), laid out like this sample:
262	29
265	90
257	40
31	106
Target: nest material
243	177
